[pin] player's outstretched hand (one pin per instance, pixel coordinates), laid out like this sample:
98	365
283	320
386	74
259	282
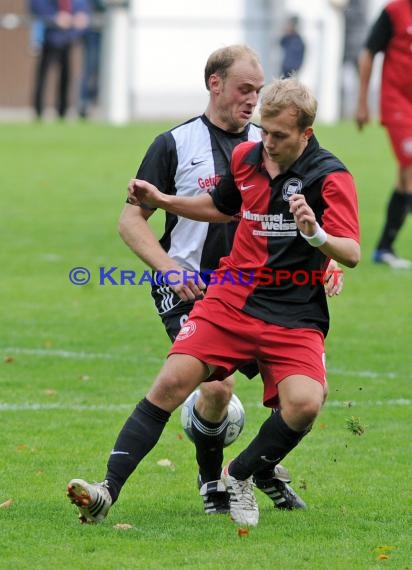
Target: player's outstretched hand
144	194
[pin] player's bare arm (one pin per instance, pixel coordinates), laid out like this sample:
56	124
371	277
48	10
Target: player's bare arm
343	250
137	234
365	70
199	208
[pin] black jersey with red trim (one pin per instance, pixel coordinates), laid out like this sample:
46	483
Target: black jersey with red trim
272	273
189	160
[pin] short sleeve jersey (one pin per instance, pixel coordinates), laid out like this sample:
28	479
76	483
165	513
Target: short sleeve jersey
272	272
189	160
392	34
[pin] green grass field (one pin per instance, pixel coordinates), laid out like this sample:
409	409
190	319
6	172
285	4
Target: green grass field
76	359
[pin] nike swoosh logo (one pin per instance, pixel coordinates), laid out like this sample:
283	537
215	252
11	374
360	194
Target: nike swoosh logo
197	161
243	187
264	458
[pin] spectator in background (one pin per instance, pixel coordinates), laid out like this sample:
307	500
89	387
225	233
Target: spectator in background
355	26
64	22
391	34
36	35
293	48
92	41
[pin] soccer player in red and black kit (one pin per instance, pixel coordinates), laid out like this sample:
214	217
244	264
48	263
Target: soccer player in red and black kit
189	160
298	209
392	34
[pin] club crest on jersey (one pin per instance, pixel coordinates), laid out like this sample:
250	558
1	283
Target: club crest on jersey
407	146
290	187
187	330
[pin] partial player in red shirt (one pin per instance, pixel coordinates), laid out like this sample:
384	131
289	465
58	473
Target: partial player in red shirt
392	35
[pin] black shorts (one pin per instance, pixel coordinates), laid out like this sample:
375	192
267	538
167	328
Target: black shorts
174	313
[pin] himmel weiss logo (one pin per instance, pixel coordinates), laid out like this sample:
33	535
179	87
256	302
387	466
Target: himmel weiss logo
272	224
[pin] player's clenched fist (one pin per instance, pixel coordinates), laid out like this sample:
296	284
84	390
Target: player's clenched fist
144	194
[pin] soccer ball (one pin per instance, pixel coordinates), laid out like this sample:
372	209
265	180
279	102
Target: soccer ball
236	415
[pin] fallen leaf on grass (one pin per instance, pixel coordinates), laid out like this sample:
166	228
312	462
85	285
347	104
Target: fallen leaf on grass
382	552
180	436
166	463
123	526
7	504
50	392
8	359
242	532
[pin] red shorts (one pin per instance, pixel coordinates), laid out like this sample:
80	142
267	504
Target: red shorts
401	140
225	337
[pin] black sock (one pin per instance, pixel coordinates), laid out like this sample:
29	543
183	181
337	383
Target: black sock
208	438
137	437
274	440
395	216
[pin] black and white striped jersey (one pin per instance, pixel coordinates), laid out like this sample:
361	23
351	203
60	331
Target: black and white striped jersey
186	161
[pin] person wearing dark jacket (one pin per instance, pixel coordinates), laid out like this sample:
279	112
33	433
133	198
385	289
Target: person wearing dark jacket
64	21
293	48
92	43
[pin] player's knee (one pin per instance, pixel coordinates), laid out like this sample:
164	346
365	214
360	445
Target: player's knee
325	392
405	180
303	410
214	396
170	391
310	410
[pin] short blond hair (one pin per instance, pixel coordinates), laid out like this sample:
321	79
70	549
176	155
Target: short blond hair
289	92
220	61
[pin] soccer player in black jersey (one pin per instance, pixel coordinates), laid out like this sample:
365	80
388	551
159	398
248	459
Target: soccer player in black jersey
191	159
188	160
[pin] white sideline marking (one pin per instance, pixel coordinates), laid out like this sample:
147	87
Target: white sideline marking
367	373
367	403
33	407
36	407
77	355
82	355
